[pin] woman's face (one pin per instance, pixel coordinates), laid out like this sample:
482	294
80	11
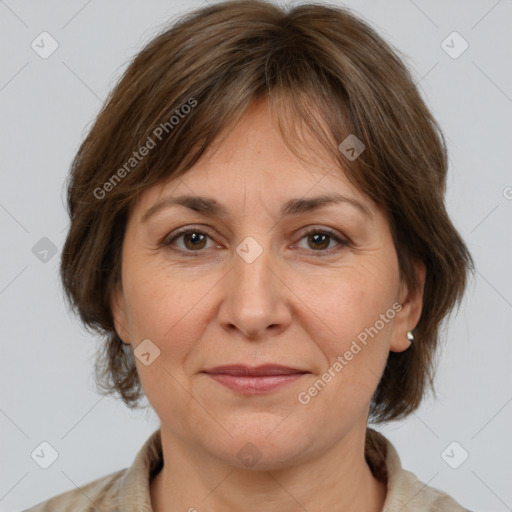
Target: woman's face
248	286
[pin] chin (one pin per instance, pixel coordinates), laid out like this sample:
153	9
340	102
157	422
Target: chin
263	448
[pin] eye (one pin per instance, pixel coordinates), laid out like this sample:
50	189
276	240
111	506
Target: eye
194	239
320	239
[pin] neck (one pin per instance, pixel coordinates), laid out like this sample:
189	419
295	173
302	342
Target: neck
339	480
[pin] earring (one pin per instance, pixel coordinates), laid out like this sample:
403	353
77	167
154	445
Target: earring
410	336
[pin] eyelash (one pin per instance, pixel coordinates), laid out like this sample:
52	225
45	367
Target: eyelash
167	242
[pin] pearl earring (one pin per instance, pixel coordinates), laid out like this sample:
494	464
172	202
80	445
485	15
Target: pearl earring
410	336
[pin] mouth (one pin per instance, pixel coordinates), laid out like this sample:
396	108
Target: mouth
248	380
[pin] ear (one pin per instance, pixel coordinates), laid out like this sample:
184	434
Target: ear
118	308
408	317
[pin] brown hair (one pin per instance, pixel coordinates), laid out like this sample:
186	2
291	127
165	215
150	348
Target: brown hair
322	69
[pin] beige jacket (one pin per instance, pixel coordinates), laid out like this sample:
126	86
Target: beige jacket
128	490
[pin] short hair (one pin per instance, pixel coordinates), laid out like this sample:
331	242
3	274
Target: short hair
322	69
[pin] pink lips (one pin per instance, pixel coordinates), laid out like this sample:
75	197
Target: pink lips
254	380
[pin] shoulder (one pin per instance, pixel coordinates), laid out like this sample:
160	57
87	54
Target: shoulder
126	490
405	492
411	494
100	494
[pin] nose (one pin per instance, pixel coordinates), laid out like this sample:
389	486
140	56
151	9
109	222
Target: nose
255	297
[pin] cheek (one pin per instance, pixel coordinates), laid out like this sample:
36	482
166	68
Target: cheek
354	313
354	342
352	301
167	308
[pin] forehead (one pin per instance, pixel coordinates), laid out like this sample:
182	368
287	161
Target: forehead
252	162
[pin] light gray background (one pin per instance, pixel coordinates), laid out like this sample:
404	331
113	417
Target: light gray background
46	107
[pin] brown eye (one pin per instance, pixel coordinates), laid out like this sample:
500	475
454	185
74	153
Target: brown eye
193	240
319	241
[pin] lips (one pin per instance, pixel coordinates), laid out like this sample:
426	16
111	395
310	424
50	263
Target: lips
247	380
255	371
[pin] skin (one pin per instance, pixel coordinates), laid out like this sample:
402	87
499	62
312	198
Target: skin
290	306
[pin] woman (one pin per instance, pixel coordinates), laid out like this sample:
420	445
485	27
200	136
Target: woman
258	227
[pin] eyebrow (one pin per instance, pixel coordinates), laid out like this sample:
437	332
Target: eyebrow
211	207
